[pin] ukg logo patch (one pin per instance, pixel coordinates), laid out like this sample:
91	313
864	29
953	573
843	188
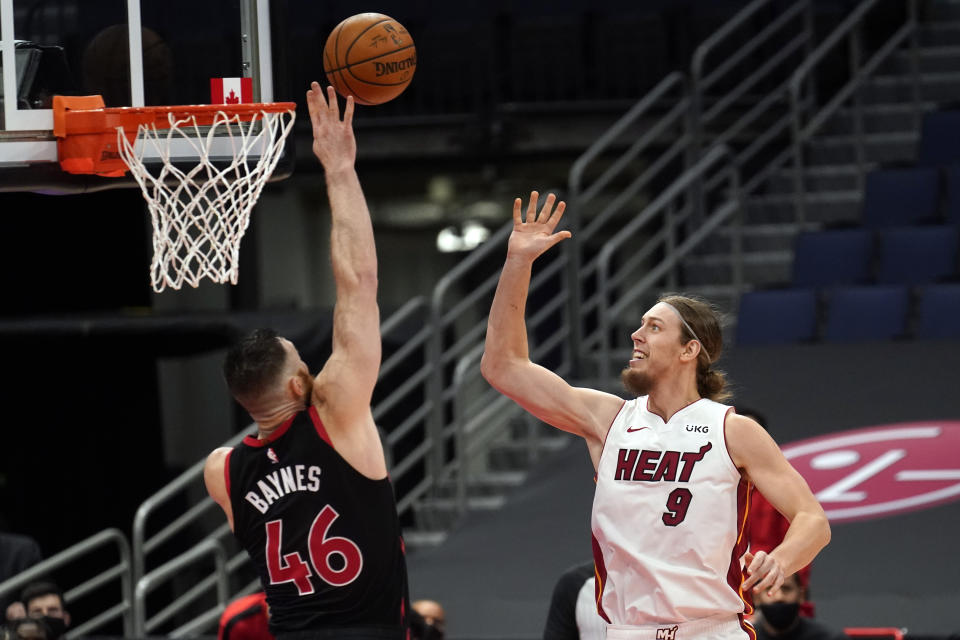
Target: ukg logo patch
883	470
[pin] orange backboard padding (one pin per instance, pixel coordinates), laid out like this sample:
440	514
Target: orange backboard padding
86	131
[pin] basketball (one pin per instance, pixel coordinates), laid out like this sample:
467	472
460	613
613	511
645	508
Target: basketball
371	57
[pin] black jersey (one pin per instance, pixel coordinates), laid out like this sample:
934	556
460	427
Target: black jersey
324	537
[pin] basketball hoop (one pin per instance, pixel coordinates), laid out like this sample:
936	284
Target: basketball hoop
199	213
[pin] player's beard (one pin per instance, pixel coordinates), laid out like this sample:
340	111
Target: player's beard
636	382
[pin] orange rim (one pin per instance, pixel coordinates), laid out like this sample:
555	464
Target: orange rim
86	131
86	114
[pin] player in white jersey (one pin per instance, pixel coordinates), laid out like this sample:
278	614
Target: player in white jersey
674	466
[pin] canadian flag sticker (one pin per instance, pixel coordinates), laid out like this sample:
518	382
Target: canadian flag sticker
231	90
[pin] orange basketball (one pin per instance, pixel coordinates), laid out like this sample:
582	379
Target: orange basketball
371	57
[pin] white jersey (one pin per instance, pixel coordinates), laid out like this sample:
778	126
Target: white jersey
668	517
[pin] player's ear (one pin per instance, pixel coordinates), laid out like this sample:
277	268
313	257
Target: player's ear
295	385
691	350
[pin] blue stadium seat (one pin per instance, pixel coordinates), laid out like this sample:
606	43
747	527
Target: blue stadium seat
861	314
938	311
895	197
917	255
939	139
827	258
953	194
779	316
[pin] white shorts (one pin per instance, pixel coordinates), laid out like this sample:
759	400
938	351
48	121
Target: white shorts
715	628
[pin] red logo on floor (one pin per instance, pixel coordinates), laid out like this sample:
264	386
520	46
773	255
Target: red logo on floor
880	471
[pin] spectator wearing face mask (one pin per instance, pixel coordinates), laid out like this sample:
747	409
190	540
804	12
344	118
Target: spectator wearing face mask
779	615
42	601
25	629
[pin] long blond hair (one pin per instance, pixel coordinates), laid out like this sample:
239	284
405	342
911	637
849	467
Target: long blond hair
704	319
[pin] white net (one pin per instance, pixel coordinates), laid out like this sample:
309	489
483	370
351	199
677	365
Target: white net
200	215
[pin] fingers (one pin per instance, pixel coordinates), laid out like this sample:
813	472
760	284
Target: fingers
765	573
314	98
752	566
532	207
549	215
557	213
348	111
547	210
332	105
559	237
323	108
517	212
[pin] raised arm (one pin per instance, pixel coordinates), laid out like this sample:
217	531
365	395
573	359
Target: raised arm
760	459
344	387
506	359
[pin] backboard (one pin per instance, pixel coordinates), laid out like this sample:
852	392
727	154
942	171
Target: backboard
131	52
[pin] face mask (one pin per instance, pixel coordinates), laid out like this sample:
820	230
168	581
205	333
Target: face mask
780	615
57	626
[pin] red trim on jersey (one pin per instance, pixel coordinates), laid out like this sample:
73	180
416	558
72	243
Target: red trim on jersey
226	472
747	627
318	425
253	441
735	573
646	406
607	435
600	575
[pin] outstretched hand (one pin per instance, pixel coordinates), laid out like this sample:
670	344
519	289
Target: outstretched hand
333	140
534	236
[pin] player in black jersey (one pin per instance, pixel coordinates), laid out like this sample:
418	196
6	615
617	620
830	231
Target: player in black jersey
308	495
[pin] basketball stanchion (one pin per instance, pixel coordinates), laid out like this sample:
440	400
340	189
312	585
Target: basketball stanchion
199	208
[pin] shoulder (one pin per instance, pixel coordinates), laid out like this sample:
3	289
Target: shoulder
748	442
740	426
214	470
217	457
745	435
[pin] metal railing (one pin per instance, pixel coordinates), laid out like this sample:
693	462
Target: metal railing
203	538
120	571
757	72
664	225
466	414
218	578
658	153
849	31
